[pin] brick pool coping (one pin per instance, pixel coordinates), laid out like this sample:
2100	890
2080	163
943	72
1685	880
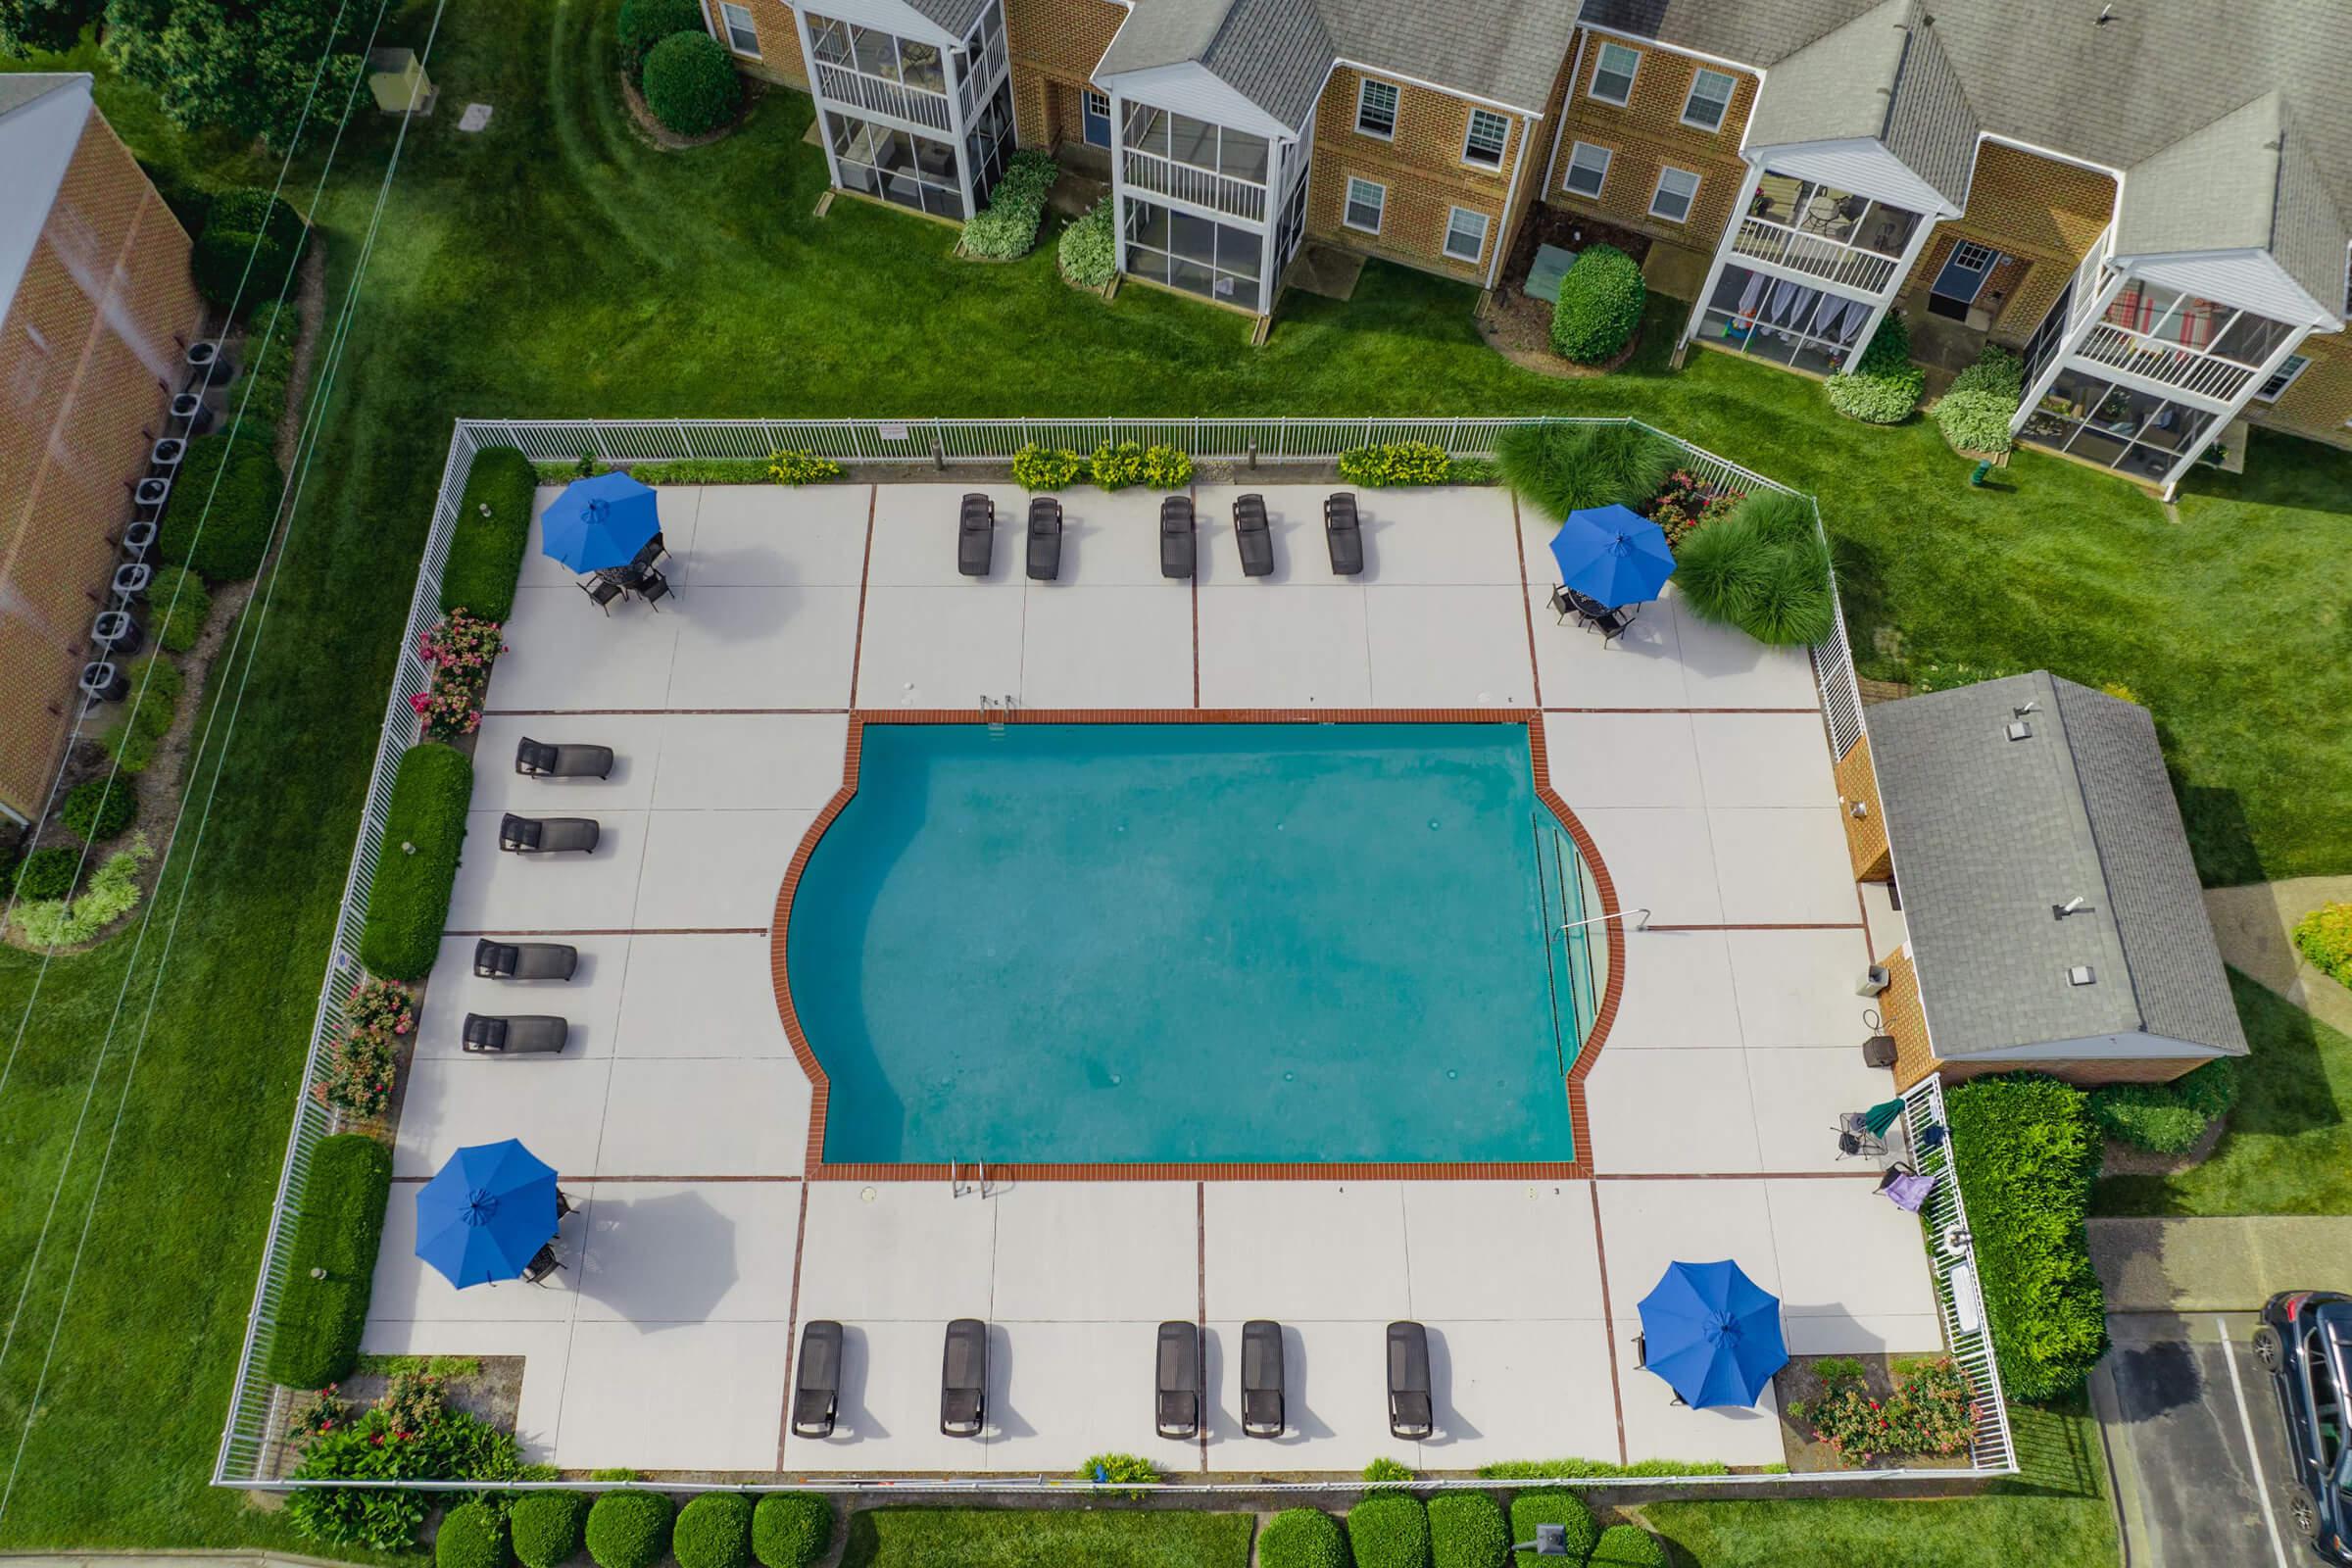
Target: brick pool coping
816	1168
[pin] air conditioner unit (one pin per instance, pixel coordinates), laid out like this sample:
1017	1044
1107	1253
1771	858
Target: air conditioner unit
1873	981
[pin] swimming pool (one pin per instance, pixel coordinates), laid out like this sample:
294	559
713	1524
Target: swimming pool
1194	941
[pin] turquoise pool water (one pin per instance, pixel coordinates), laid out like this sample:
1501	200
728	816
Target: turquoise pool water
1193	942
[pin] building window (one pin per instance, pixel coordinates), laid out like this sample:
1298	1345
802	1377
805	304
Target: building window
1709	101
742	36
2284	377
1613	74
1465	235
1490	134
1376	107
1677	189
1974	256
1587	170
1366	201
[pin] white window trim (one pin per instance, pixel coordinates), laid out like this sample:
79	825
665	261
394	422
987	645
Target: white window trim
1690	206
1502	154
2300	363
1608	158
750	25
1348	204
1961	248
1486	226
1395	108
1691	97
1599	58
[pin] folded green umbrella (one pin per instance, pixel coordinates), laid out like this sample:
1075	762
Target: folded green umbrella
1878	1117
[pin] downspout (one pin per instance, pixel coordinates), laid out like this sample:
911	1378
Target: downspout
1510	204
1576	73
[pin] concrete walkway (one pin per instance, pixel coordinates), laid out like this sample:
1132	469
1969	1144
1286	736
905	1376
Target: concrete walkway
2255	926
2230	1264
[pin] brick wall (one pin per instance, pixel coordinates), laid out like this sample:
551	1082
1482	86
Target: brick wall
1647	135
2088	1074
87	348
2319	401
2042	212
1055	46
1422	169
1901	1015
1864	835
779	58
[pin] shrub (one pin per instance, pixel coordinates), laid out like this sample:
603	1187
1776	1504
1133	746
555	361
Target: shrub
1036	468
101	808
800	467
715	1530
1559	469
112	892
1126	1470
2167	1118
223	506
1474	470
471	1536
1389	1530
547	1527
1087	253
1552	1505
1792	608
246	223
1683	503
1592	1469
362	1059
2211	1090
1882	386
1628	1547
1929	1413
455	1447
1395	462
1301	1538
2024	1150
46	875
1975	422
1889	349
1006	227
178	607
154	687
460	652
628	1529
336	1228
494	525
644	23
1166	467
271	333
2325	938
1115	467
792	1530
1779	517
1601	302
259	212
423	830
691	470
690	83
1466	1531
1996	370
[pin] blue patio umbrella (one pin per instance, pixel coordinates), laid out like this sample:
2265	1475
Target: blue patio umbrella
599	522
486	1213
1612	555
1712	1332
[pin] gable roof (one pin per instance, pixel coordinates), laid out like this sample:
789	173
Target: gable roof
1991	835
1275	53
41	119
1883	76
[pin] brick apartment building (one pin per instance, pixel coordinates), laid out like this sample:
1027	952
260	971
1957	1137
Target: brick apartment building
2159	227
96	311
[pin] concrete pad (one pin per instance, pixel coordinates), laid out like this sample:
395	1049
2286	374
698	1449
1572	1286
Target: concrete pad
1853	1268
1764	760
1283	649
1657	1428
636	742
1646	1225
1294	519
938	647
704	1117
770	534
700	995
1480	1251
1107	647
1678	992
897	1251
545	1347
1622	759
889	1413
735	761
1889	927
1334	1394
1437	536
562	652
915	535
1800	1092
1661	858
1448	647
590	1000
1796	988
1580	668
556	1104
1306	1251
1108	538
621	1403
1672	1110
498	891
1784	867
1060	1391
715	870
1519	1390
407	1289
1724	666
700	1252
540	571
764	646
1141	1255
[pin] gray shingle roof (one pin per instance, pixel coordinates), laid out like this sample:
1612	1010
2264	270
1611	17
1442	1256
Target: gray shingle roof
1275	53
20	87
1882	75
2213	190
1509	50
1991	834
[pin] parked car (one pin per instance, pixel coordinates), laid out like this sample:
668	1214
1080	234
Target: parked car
2305	1343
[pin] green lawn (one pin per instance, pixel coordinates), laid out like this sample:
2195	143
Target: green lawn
558	266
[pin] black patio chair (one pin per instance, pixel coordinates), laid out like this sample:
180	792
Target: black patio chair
601	591
525	961
816	1380
1253	536
543	1264
1641	1357
653	549
963	1379
1045	538
547	835
652	588
1344	534
1593	614
1409	1415
1177	540
519	1035
1179	1388
538	760
1263	1414
975	535
566	1204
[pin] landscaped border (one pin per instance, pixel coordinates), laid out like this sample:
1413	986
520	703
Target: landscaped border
816	1168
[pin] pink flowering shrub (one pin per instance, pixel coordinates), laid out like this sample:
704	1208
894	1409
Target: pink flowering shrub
1683	503
362	1059
460	650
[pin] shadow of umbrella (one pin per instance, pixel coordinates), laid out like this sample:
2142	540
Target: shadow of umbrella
656	1262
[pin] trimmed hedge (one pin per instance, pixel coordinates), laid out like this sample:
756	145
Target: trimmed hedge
336	1228
629	1529
1301	1538
471	1536
246	223
271	333
154	687
1882	386
494	525
2024	1150
1466	1530
1005	228
792	1530
1552	1505
1087	252
644	23
424	828
2167	1118
221	530
1600	307
178	606
548	1527
1628	1547
1390	1529
715	1530
100	809
47	873
690	83
1559	469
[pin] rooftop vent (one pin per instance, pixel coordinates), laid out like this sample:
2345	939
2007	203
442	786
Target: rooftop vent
2080	974
2074	905
2019	728
2105	16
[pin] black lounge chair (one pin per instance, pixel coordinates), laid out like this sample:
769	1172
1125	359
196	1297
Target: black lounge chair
538	760
547	835
1344	534
1176	538
523	1034
963	1379
1178	1385
525	961
975	535
1408	1382
817	1381
1250	533
1262	1412
601	592
1045	538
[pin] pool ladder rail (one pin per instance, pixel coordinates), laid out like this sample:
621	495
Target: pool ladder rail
957	1186
996	710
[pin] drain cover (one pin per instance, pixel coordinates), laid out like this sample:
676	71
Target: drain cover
475	117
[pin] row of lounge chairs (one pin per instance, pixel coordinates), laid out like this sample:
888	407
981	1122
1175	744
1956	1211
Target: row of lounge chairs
1179	546
1179	1381
535	1033
554	835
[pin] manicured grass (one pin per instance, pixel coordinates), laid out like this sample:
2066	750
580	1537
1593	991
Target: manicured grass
995	1538
340	1223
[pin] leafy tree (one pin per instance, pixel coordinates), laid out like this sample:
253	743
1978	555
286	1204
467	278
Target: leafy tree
30	25
244	66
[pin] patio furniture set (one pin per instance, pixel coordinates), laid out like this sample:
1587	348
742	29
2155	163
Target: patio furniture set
609	531
492	1213
1612	562
1863	1134
526	1034
1253	532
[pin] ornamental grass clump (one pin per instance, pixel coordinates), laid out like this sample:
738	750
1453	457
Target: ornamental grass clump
1559	469
1762	568
460	650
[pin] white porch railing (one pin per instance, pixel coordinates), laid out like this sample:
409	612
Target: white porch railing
2171	364
1847	265
855	90
1959	1297
1189	182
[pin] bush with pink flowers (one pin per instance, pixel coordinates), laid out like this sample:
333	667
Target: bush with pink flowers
1931	1411
361	1059
460	652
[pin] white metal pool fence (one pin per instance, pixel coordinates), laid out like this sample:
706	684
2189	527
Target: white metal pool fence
252	1430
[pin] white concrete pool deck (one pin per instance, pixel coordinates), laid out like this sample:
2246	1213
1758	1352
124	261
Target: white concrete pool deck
679	1115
